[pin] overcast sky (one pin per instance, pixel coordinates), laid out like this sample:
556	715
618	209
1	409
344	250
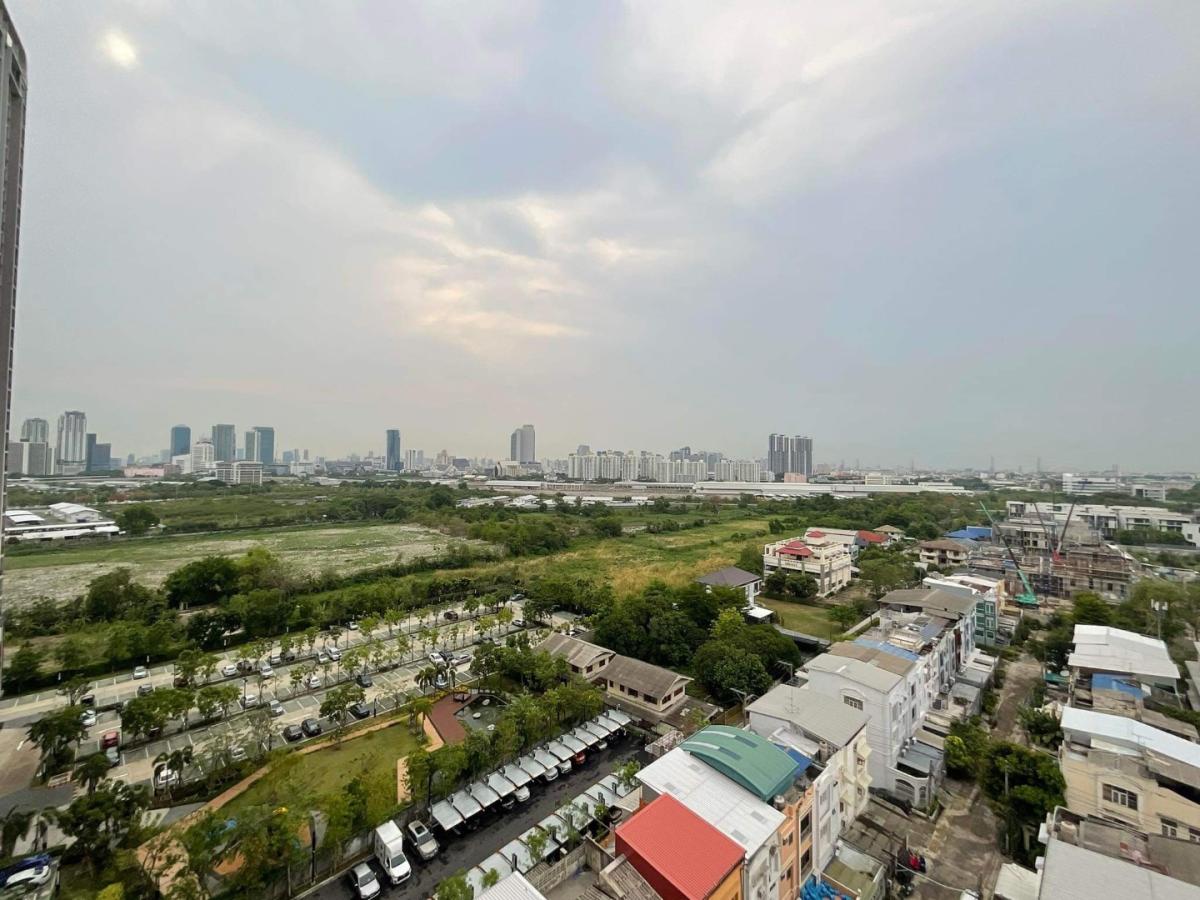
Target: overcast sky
940	231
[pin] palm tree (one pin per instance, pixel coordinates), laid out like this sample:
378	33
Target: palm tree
176	761
426	677
418	708
14	827
92	771
402	645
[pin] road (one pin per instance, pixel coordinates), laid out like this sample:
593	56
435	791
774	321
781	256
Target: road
461	853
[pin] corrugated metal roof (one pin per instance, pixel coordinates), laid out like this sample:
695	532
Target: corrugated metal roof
680	846
1074	873
854	670
719	801
752	761
1131	732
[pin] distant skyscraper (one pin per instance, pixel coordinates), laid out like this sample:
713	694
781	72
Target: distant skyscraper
37	430
521	445
89	450
181	440
72	438
12	139
37	458
224	438
789	455
250	445
264	444
203	456
14	463
394	460
99	456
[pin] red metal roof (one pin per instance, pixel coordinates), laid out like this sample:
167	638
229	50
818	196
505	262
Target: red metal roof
816	533
796	548
872	537
690	854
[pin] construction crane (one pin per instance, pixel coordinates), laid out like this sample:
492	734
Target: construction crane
1028	597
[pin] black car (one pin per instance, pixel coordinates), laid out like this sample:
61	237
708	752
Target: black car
364	679
360	710
311	727
293	733
450	615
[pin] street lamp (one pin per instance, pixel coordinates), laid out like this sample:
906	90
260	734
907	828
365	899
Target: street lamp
1160	608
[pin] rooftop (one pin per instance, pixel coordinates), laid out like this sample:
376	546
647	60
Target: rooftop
680	846
752	761
877	653
931	600
720	802
1107	649
1129	733
730	576
1076	873
855	670
646	677
944	544
514	887
576	652
827	719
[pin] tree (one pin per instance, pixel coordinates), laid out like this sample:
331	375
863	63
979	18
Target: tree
116	595
71	652
102	820
801	587
1089	609
336	705
537	841
74	689
137	519
54	733
455	887
750	559
1024	785
204	581
25	668
491	876
176	761
730	672
966	746
92	771
142	715
14	826
1039	726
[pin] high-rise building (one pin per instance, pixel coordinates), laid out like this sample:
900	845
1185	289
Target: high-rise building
35	430
203	456
789	455
181	440
14	462
394	461
12	139
250	446
72	437
89	450
99	458
38	458
264	445
521	445
224	439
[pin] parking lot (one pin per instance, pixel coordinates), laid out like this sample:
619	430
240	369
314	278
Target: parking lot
462	852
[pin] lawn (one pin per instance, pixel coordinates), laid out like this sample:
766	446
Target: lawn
311	776
812	620
61	574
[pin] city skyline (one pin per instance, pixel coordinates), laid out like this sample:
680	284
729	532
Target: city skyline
658	252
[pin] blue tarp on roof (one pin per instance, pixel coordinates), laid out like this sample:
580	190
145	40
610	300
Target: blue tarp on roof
1113	683
971	533
887	648
799	757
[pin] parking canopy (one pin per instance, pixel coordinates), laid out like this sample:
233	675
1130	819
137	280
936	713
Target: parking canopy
618	717
577	813
466	805
445	815
518	856
502	866
559	751
603	725
601	794
546	759
590	734
572	743
551	842
519	775
554	826
483	794
613	783
501	785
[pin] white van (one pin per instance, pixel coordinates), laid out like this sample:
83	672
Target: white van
389	850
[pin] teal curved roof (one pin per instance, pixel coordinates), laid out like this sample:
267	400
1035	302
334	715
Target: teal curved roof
742	756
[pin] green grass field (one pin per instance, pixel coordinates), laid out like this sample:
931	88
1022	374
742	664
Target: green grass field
310	776
65	573
812	620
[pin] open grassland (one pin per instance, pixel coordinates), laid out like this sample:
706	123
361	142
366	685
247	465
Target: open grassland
812	620
65	573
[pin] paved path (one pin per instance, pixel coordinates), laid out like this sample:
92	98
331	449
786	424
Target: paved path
1020	675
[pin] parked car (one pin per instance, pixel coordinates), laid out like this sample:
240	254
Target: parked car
88	719
237	754
140	672
436	658
323	657
293	733
110	739
88	699
518	623
521	794
363	881
334	653
311	727
249	699
423	840
451	616
276	658
364	679
165	777
275	708
313	681
181	681
245	666
31	872
360	710
460	659
229	670
265	671
144	689
289	655
352	625
440	680
114	757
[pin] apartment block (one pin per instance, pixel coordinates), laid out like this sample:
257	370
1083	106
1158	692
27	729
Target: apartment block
826	560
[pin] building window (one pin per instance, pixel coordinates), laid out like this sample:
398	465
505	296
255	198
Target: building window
1194	835
1170	828
805	825
853	702
806	861
1120	797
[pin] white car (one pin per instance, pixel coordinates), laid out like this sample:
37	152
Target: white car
165	777
141	672
363	880
334	653
312	681
265	671
322	657
34	876
88	718
229	670
249	699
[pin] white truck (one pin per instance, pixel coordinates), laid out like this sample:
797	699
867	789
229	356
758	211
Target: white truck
389	851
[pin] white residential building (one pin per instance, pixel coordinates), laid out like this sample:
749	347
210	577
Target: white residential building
1107	520
738	470
988	594
827	561
1101	649
1091	484
203	456
242	471
834	736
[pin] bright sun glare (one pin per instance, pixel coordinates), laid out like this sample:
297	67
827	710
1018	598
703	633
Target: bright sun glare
119	49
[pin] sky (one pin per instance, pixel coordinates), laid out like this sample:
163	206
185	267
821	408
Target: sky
935	231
